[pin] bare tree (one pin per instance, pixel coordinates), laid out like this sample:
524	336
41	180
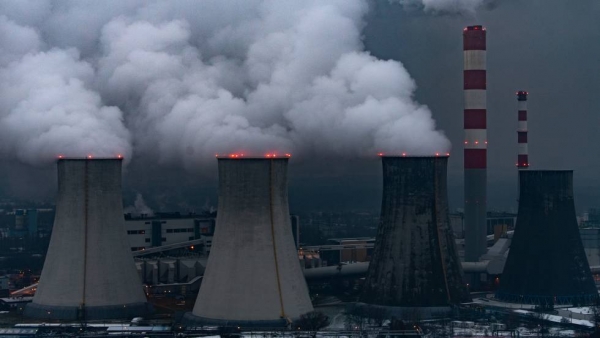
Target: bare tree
377	314
356	317
312	321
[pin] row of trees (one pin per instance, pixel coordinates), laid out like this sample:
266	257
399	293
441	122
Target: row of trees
358	317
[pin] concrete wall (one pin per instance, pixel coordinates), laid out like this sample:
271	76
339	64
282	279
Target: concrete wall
89	264
253	272
415	262
546	263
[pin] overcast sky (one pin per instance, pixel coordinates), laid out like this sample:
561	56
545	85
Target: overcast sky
547	47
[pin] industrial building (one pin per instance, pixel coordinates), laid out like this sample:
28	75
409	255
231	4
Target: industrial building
145	232
547	264
415	262
252	277
166	228
89	272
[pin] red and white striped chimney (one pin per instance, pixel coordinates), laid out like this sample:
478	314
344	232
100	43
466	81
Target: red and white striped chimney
523	156
475	151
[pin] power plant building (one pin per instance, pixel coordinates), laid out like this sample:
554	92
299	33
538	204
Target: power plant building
253	276
475	144
547	264
89	271
415	261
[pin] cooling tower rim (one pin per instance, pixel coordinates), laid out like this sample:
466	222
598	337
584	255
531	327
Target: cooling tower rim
253	158
529	171
94	159
415	156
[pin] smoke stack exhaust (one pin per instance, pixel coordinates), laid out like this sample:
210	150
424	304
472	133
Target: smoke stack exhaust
523	156
415	262
253	276
89	272
546	264
475	151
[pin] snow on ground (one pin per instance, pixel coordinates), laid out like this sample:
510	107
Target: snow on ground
557	319
583	310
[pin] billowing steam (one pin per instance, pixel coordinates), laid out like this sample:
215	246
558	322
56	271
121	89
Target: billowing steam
445	6
139	207
183	80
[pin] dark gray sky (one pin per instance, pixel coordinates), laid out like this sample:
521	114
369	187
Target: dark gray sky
547	47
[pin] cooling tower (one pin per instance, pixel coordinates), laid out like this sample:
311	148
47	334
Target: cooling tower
546	263
475	147
415	262
253	276
89	272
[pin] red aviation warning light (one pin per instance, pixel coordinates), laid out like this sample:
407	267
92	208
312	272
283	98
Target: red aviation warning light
89	157
119	156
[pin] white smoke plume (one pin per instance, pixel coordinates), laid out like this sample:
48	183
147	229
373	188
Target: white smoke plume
183	80
444	6
139	207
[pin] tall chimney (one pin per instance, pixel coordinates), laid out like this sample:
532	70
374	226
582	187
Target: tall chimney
253	276
415	262
475	151
523	156
546	264
89	272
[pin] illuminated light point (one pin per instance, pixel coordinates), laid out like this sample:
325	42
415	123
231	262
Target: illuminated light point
447	154
437	154
119	156
60	156
89	156
403	154
379	154
288	155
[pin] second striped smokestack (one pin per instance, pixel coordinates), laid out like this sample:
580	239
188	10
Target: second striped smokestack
475	151
523	156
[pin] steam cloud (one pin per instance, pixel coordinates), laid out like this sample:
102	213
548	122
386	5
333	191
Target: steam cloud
183	80
445	6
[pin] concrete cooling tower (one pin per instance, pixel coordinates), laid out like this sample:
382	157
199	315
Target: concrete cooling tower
546	263
253	276
415	262
89	272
